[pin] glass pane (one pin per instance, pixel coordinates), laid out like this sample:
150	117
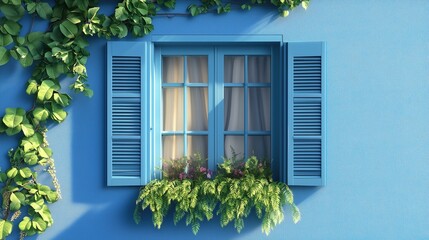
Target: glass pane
259	146
234	69
259	69
173	109
197	109
234	144
198	144
172	69
197	69
172	146
259	114
233	109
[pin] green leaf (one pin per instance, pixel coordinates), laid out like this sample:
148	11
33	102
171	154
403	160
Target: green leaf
46	90
305	4
13	13
15	203
296	215
3	177
74	19
92	12
44	10
13	117
32	87
45	152
13	131
68	29
71	3
12	172
31	7
15	2
79	69
88	92
83	5
21	51
285	13
58	114
39	224
31	158
5	228
12	27
25	172
31	143
46	215
4	55
40	114
193	9
26	61
27	129
25	224
62	99
121	14
5	39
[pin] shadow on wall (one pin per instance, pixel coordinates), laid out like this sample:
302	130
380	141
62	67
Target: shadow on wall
115	222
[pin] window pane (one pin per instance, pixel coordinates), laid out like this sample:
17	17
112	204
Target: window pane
233	109
259	109
234	144
259	146
234	69
198	144
172	69
197	69
259	69
173	109
172	146
197	109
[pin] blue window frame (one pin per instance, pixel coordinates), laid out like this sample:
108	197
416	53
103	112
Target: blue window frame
295	130
216	135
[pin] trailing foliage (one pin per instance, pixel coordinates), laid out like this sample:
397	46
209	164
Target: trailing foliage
238	188
55	54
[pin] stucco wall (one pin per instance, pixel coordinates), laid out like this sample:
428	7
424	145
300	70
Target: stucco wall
378	129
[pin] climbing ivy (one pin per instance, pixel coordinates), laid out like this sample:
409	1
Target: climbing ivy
55	54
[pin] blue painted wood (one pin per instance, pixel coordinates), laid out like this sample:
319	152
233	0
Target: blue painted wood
306	114
127	74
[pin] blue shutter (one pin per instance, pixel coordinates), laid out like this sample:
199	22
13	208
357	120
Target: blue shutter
128	75
306	165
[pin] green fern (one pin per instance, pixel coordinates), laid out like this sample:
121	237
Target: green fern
233	196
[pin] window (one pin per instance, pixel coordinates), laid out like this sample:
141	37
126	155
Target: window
213	100
167	99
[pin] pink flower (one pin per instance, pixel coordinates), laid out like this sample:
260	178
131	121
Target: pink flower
203	169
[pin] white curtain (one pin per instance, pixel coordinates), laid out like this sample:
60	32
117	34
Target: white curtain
258	112
173	106
258	101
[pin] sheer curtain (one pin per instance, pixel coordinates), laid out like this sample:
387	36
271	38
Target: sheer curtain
197	109
258	101
258	112
173	106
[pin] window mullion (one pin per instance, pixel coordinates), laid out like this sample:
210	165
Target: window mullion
185	107
246	96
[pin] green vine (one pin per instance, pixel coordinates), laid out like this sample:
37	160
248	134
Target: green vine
57	53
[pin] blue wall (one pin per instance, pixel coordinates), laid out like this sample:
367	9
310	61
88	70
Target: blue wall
378	129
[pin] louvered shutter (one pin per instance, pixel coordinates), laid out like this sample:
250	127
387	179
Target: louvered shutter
306	114
127	73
